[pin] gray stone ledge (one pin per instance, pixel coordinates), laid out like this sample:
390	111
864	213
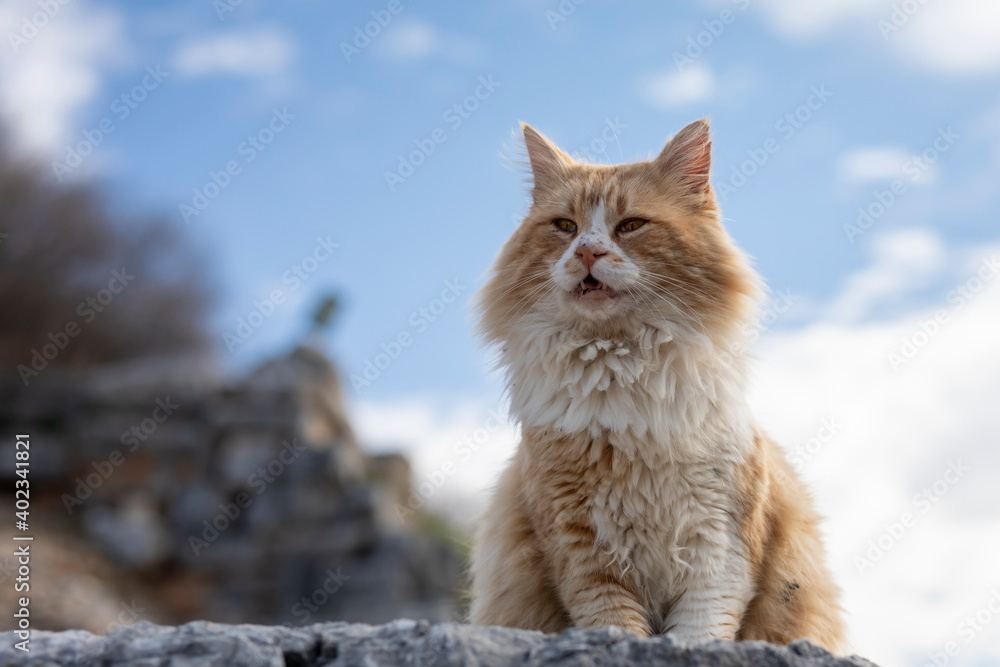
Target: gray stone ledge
400	643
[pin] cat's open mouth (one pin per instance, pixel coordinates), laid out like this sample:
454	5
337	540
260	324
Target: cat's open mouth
592	286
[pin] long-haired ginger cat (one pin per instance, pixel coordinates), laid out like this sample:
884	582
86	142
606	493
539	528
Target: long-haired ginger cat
642	494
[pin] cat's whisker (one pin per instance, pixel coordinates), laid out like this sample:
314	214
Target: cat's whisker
523	281
686	287
541	298
525	300
677	305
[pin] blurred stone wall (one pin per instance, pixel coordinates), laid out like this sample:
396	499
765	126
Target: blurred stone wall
242	503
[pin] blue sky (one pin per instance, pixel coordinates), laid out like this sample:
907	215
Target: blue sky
818	109
571	70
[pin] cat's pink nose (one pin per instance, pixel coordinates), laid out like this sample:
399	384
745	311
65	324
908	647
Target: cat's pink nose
589	255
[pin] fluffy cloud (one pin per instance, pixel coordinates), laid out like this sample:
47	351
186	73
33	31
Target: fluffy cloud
260	52
905	261
52	66
893	421
872	164
809	19
913	396
675	88
456	452
414	39
956	37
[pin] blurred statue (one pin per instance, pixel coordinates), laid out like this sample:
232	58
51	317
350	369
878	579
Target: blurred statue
316	382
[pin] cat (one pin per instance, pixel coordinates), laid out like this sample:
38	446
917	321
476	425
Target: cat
642	494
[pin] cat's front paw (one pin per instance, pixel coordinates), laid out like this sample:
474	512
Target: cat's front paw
636	629
690	636
624	620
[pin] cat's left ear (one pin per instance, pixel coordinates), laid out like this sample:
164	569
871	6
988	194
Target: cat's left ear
687	157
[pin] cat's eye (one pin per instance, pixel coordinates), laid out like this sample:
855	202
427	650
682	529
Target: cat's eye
565	224
630	225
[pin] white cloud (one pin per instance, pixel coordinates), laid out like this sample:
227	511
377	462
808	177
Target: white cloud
904	261
872	164
957	36
886	163
46	80
901	428
260	52
473	439
414	39
797	19
672	88
898	431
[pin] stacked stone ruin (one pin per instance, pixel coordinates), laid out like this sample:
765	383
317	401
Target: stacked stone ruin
246	502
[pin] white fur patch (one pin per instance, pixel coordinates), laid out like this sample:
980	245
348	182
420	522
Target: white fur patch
662	394
569	271
598	223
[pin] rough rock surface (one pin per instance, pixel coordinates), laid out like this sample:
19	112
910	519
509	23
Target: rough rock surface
400	643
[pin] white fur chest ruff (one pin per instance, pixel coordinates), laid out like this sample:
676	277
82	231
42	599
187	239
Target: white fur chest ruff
663	393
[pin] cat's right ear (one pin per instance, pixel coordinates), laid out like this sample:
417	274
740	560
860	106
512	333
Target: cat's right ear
687	157
548	163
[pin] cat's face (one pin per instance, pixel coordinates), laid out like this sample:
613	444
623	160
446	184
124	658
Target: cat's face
605	249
